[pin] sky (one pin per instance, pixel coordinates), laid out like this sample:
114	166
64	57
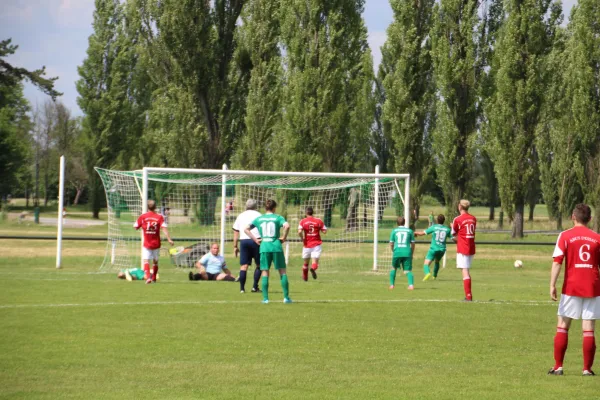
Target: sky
55	33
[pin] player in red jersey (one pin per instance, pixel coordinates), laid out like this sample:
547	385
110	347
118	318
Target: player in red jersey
309	230
580	298
151	224
463	233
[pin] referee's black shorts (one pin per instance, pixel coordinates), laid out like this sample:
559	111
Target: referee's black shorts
249	251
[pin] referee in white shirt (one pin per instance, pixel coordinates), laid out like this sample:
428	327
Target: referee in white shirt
248	250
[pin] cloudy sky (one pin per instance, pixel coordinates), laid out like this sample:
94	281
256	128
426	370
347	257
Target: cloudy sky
54	33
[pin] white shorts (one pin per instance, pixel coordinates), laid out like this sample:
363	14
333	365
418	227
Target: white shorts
314	252
463	261
148	254
579	307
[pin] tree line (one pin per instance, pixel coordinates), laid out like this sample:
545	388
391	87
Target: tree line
496	100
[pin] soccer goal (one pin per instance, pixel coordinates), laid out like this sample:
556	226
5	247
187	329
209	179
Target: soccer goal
200	207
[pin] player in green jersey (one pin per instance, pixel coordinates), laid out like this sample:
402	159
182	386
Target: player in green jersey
402	243
132	274
439	232
270	226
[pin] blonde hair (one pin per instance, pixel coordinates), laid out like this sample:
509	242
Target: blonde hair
465	204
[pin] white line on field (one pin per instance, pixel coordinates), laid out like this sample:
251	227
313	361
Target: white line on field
146	303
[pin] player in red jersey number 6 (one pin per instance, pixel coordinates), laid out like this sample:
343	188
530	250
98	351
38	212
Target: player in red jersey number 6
309	230
579	247
151	224
463	233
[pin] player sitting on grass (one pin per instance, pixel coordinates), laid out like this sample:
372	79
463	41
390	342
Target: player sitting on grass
580	298
439	232
309	230
212	267
269	226
151	224
132	274
402	243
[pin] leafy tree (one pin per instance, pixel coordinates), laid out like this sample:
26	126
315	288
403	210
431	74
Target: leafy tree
12	76
514	111
327	101
409	90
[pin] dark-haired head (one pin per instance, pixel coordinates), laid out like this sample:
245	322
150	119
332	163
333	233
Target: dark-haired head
582	213
309	211
270	205
441	219
401	221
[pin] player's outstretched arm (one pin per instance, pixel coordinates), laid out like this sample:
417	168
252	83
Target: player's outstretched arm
420	233
554	274
166	232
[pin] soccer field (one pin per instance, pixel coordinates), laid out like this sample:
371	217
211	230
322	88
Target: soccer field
80	334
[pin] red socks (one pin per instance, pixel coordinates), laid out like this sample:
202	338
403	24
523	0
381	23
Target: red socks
305	272
561	340
146	271
589	350
154	272
467	287
314	267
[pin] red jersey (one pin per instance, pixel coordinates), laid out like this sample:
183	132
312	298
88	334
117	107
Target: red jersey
312	228
151	223
581	247
463	227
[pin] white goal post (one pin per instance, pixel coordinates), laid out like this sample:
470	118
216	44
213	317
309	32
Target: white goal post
200	204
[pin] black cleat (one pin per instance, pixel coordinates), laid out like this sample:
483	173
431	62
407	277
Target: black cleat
467	300
256	290
588	372
191	276
313	273
555	371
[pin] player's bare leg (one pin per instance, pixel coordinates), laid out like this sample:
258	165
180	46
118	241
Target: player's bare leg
305	269
314	267
225	277
467	284
589	346
285	285
561	341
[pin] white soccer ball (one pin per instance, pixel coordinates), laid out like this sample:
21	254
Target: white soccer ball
518	264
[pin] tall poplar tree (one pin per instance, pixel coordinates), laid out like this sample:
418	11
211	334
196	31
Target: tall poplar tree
521	79
328	104
408	110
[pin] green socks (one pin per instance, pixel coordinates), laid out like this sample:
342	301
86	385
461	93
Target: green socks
285	286
411	279
392	276
426	269
436	269
265	287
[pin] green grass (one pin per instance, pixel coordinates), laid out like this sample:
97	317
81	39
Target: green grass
77	334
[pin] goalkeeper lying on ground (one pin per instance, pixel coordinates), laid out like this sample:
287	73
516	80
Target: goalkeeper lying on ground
212	267
132	274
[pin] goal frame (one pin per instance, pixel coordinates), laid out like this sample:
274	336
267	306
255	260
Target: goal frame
224	172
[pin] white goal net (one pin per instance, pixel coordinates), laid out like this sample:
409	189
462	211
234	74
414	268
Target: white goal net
200	207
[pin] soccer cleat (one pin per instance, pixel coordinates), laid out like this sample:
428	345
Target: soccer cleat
467	300
157	277
128	276
411	287
265	301
313	273
588	372
558	371
256	290
148	281
427	277
391	287
287	300
242	291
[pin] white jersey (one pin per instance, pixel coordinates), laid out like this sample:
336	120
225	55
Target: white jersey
243	220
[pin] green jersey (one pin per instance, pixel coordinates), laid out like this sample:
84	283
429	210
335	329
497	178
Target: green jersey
269	227
438	233
402	238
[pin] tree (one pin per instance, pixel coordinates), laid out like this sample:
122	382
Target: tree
409	89
327	102
514	111
259	44
12	76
